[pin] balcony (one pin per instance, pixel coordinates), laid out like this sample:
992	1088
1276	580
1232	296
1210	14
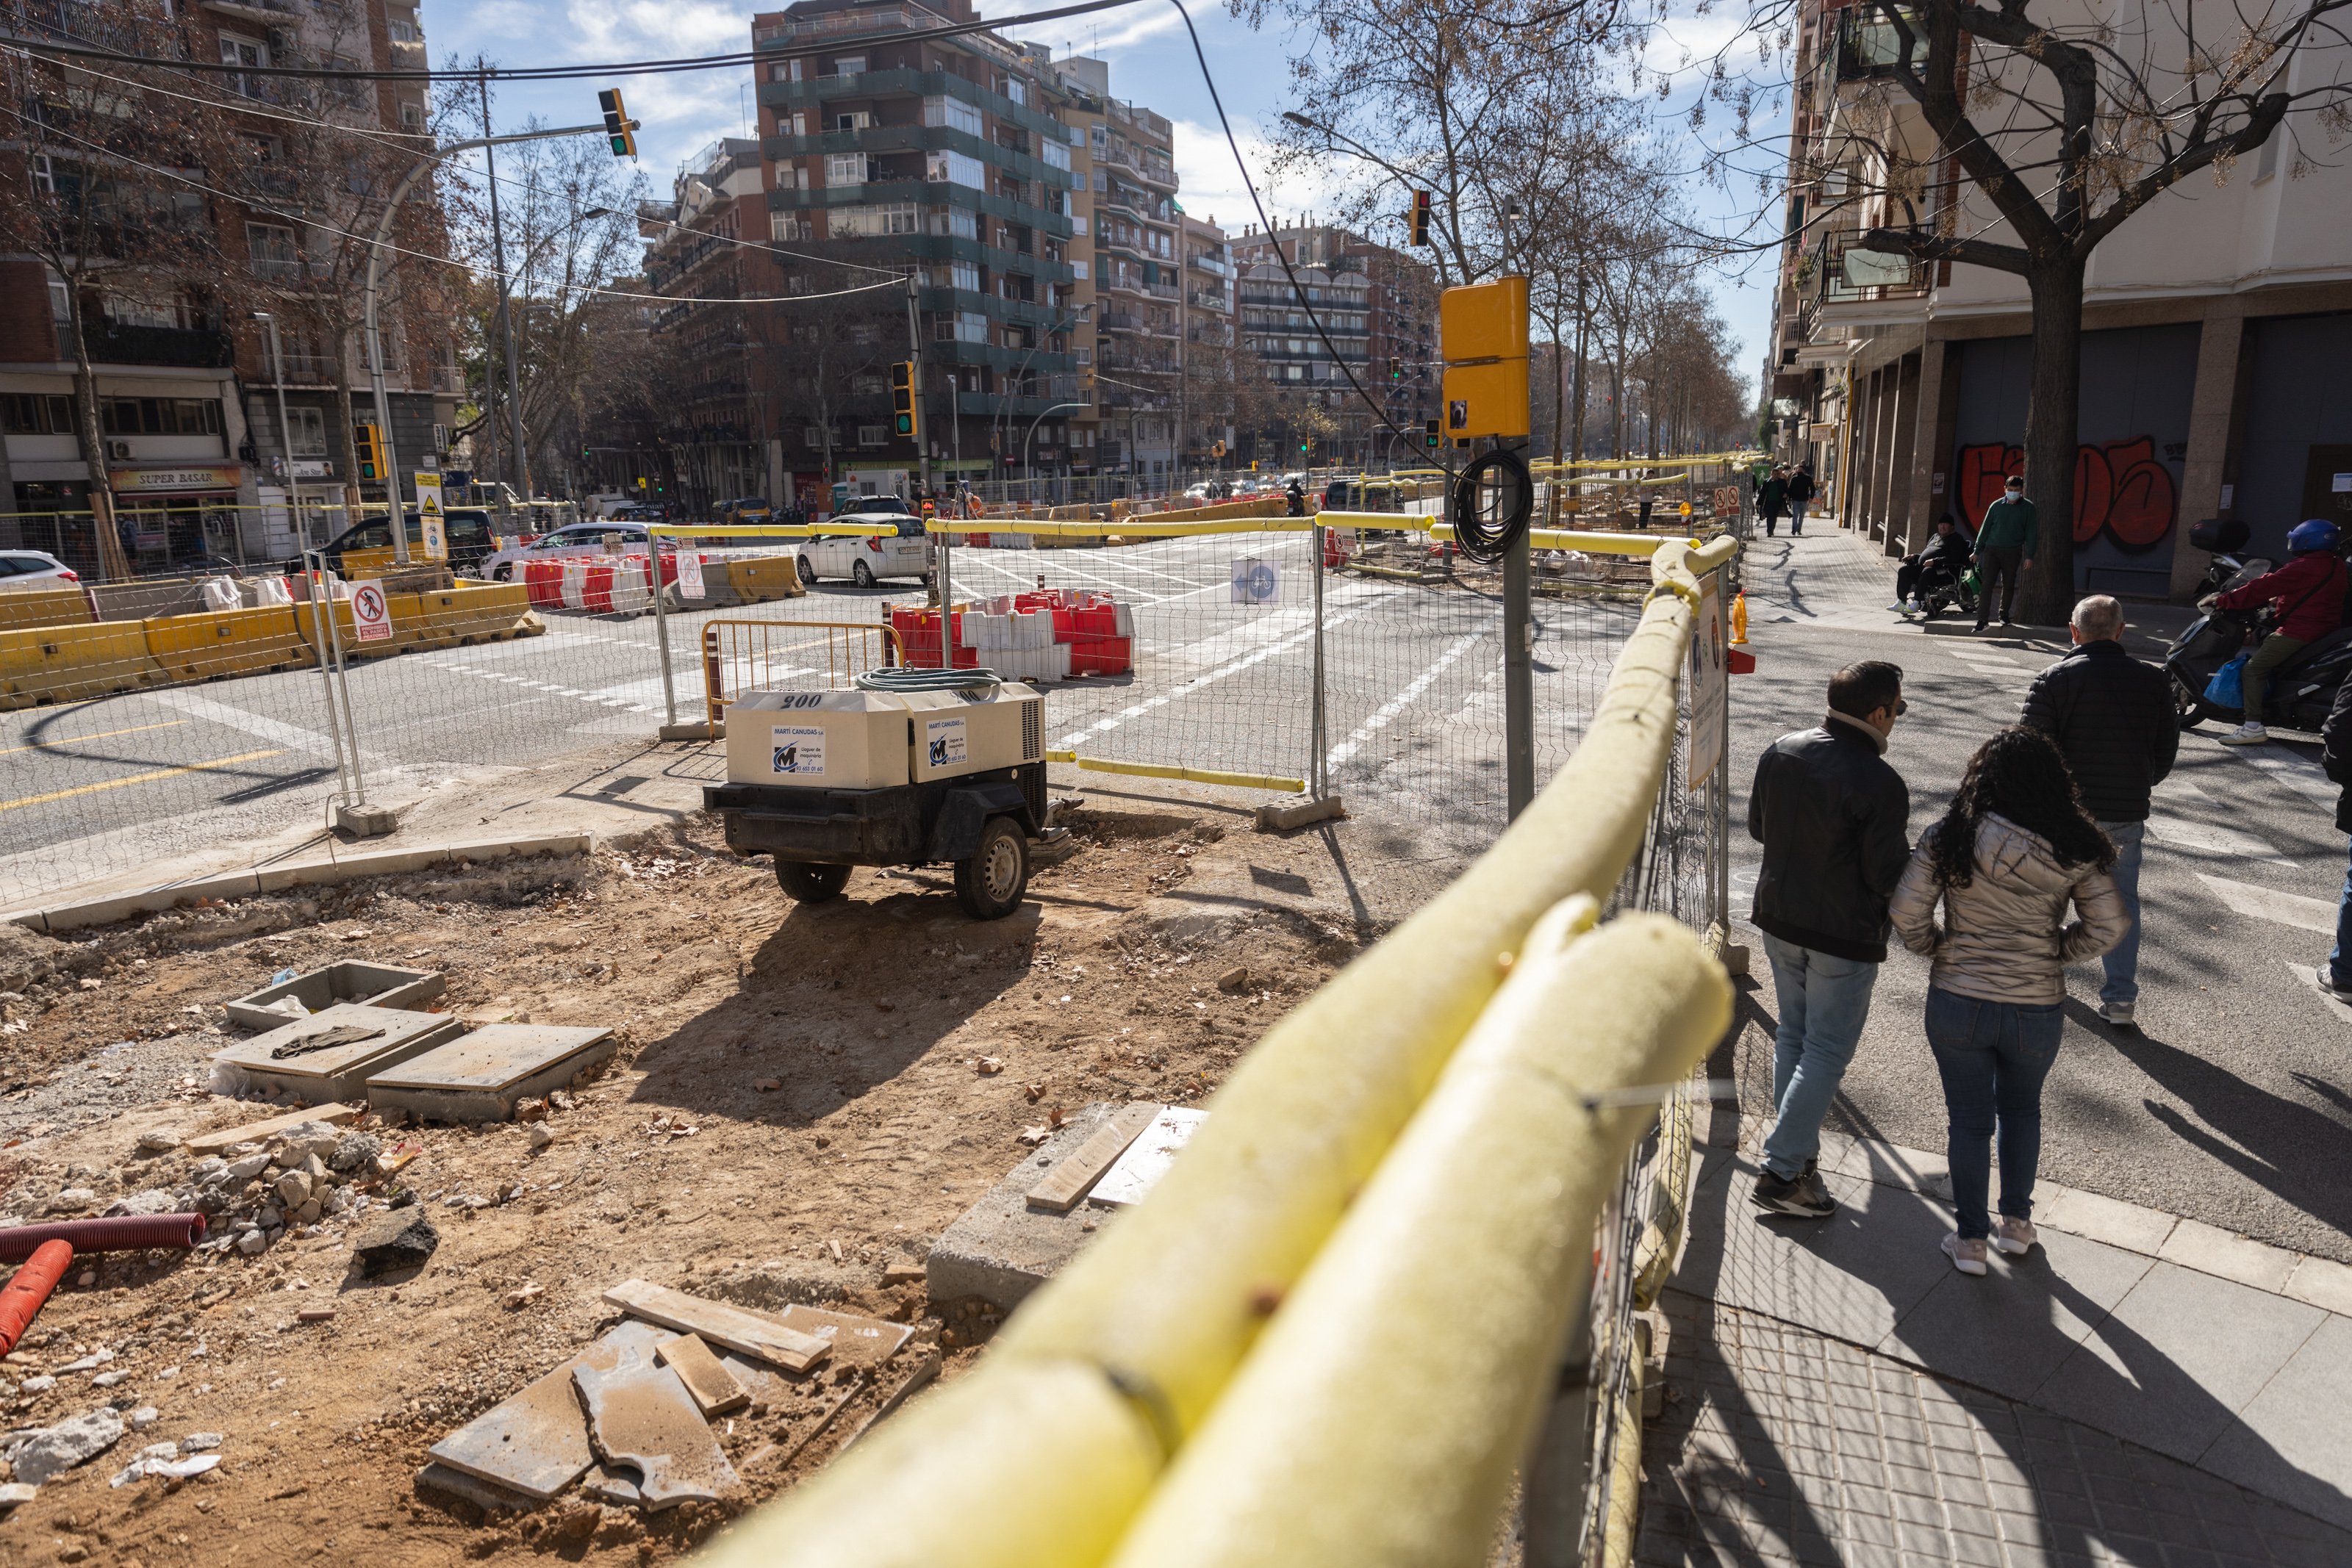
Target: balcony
298	369
269	13
1209	300
1846	287
848	24
113	343
1201	261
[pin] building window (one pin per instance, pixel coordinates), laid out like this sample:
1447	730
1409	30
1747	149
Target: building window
35	414
306	432
964	275
955	169
854	119
1056	154
159	416
789	226
872	435
844	169
1016	90
237	51
954	223
849	65
813	435
971	326
273	253
954	113
872	221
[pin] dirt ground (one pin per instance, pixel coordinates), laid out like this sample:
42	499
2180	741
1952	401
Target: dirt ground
797	1105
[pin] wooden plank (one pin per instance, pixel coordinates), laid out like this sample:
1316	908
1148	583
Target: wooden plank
333	1114
749	1332
715	1389
1074	1173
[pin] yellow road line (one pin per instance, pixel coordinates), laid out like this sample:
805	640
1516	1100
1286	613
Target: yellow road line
101	735
139	778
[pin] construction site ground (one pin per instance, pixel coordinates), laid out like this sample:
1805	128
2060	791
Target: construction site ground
802	1099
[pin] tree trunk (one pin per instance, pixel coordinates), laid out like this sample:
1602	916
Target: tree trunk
2052	413
345	423
1583	339
89	434
1558	417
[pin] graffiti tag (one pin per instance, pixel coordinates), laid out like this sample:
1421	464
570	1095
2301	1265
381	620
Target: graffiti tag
2120	487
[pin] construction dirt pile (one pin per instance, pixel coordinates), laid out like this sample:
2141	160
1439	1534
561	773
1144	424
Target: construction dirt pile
802	1099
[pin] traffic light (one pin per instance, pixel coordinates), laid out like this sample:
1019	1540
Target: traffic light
1421	217
1432	437
902	399
1396	368
619	129
367	451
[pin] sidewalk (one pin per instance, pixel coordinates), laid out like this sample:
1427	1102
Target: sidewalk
2140	1389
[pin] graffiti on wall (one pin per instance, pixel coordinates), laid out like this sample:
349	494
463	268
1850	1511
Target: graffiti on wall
2120	487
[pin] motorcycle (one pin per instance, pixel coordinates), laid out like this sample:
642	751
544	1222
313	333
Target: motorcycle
2302	691
1942	587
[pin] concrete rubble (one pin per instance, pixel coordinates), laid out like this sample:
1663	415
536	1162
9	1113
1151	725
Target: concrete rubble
46	1452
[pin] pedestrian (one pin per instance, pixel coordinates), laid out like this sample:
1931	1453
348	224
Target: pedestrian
2336	755
2005	541
2310	587
1832	817
1948	547
1800	496
2112	719
1772	499
2013	851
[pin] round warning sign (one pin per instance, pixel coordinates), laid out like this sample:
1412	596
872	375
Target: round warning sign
371	616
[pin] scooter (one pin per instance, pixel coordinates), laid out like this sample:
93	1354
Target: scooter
2302	691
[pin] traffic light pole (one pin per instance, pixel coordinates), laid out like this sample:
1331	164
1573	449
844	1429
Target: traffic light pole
375	280
940	546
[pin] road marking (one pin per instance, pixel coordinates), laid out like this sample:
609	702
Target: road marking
1403	700
2204	838
1193	686
293	737
130	780
2289	771
101	735
2268	903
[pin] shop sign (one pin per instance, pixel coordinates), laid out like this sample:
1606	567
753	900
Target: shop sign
148	481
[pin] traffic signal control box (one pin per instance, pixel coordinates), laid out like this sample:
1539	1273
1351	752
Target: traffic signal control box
1482	332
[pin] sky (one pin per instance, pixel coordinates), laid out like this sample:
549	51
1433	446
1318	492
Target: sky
1152	62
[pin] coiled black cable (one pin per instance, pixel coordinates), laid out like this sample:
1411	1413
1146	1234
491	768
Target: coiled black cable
1475	535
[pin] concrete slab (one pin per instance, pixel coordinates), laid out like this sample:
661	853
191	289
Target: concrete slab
1854	1275
2289	1442
2010	1331
378	985
290	1059
479	1077
2100	1218
268	1127
2209	1250
859	1344
2323	1283
1135	1173
641	1417
484	1495
1000	1249
2176	1360
536	1443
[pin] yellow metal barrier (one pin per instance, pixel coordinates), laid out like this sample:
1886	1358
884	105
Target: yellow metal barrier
68	664
217	642
43	607
772	530
1044	1454
1126	528
741	656
1589	542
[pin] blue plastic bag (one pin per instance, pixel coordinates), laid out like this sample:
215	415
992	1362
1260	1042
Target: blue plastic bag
2227	686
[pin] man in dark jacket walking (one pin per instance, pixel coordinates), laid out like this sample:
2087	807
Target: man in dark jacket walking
2004	548
1832	817
1800	496
1772	499
2112	716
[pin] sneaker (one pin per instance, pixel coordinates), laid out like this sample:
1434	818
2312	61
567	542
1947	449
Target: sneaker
1899	607
1968	1257
2332	987
2006	621
2117	1013
2013	1236
2246	735
1807	1197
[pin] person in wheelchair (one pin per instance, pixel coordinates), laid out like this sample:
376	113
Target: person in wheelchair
1946	553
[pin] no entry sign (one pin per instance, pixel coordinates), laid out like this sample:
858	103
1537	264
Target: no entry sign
371	616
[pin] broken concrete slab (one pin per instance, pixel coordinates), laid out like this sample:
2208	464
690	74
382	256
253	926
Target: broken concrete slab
353	980
1138	1171
47	1452
754	1333
616	1485
403	1238
640	1416
715	1389
268	1127
331	1054
536	1443
480	1076
1070	1179
1002	1248
484	1495
859	1344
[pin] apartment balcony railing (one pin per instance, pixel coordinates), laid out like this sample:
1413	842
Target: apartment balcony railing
113	342
897	18
1163	291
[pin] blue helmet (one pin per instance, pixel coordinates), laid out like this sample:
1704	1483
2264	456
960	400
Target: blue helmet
2314	534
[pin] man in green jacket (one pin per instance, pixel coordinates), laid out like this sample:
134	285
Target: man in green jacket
2004	548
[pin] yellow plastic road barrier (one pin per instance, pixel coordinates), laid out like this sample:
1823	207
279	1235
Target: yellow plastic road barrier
43	607
68	664
1381	1417
764	578
362	564
217	642
1167	1301
1191	775
773	530
484	611
306	623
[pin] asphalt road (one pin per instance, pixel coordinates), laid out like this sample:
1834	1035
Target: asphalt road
1413	730
2232	1102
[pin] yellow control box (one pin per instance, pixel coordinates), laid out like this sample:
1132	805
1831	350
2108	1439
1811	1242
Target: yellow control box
1482	331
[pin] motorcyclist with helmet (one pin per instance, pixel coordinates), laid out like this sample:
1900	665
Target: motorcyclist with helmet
2309	589
1948	549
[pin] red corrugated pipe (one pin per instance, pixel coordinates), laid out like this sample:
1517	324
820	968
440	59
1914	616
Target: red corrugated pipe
125	1233
22	1298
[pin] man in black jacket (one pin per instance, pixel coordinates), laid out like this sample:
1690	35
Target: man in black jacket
1833	819
2113	717
2336	755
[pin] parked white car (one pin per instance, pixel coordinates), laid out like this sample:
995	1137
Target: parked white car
865	558
574	539
33	568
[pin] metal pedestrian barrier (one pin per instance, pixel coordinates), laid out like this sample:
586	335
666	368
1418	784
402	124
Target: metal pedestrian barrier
739	655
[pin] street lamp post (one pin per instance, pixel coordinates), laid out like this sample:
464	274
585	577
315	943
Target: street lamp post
1026	471
1003	415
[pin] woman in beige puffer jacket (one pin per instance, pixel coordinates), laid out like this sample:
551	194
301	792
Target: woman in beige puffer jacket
2012	852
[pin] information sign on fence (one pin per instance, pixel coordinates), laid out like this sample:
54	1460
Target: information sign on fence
689	575
1256	581
371	616
1710	682
432	520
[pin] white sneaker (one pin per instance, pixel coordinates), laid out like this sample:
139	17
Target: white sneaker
2246	735
2120	1014
1968	1257
2014	1235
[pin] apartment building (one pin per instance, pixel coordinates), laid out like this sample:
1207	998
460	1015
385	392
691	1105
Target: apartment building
2216	321
1204	411
1375	303
197	457
943	155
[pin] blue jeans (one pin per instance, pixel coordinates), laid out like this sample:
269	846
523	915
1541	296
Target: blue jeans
1824	1001
2339	958
1993	1057
2122	964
